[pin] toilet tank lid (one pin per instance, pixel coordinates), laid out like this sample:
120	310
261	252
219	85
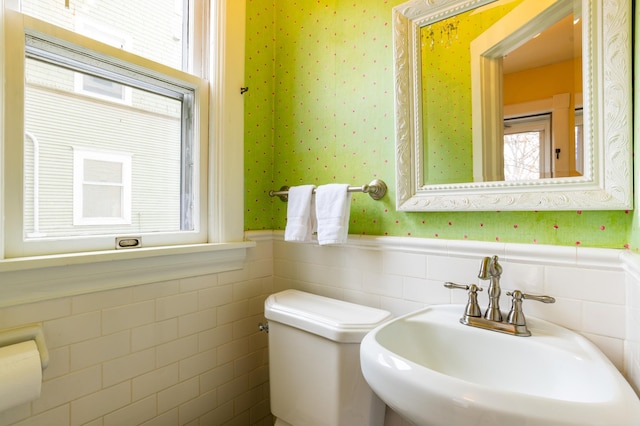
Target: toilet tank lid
330	318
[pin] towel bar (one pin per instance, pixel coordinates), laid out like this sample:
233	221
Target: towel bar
376	190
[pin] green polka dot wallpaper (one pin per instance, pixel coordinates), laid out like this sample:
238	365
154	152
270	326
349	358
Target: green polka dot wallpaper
320	109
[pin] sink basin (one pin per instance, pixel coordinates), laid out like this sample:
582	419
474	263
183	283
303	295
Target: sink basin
433	370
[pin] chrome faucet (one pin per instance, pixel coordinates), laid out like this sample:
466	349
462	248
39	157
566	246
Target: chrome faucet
491	270
515	323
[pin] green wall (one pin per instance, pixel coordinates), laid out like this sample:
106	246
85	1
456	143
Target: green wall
320	109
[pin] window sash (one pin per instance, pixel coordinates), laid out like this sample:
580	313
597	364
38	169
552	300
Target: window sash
30	36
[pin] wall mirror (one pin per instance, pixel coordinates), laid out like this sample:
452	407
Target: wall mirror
486	120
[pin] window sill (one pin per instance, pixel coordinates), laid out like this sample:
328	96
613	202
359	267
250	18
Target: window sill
30	279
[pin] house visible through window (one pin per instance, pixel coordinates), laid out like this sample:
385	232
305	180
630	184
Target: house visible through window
153	132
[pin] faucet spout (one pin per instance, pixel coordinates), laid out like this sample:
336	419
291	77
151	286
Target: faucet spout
494	272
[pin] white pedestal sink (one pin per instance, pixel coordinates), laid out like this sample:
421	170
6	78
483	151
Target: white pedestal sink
433	370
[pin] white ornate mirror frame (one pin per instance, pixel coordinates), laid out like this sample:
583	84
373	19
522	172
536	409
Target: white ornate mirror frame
607	183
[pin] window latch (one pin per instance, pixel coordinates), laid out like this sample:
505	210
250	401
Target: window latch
128	242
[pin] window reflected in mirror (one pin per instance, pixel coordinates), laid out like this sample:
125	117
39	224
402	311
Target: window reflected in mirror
536	73
527	148
544	77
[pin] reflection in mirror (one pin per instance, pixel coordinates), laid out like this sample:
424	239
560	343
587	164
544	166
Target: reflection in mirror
544	142
479	129
526	77
535	69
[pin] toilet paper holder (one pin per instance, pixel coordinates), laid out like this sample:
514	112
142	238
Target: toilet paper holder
25	333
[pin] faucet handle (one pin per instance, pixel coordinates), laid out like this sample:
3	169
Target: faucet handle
516	315
483	274
473	308
461	286
517	294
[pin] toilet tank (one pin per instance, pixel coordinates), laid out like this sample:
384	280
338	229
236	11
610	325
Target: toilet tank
314	360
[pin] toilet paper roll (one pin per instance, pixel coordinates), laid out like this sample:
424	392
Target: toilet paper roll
20	374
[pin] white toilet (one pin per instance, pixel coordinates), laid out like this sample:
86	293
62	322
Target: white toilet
314	361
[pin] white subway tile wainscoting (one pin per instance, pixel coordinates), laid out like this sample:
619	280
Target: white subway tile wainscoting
189	351
597	291
178	352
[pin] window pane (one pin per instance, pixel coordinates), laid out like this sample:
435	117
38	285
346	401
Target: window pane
60	121
102	201
102	171
153	29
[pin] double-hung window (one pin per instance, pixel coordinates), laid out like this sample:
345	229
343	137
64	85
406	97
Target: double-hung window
120	128
110	133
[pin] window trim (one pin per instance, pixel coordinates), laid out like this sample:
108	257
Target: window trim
27	279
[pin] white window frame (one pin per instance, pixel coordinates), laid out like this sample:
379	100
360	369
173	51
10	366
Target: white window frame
50	40
26	279
79	181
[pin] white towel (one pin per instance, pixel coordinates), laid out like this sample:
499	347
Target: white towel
301	219
332	211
